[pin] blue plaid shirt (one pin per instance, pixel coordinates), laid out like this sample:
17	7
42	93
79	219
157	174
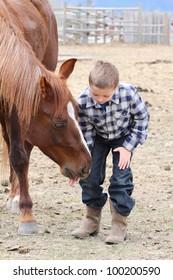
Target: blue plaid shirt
124	115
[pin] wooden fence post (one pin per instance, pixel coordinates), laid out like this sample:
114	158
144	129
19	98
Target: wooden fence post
64	22
140	25
167	30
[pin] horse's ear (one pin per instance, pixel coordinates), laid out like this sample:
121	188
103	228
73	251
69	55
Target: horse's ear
67	68
45	87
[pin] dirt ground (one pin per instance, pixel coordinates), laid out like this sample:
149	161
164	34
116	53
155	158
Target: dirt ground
58	206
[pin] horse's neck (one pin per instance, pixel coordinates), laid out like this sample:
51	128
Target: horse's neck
19	72
10	17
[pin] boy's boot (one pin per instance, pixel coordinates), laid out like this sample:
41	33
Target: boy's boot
90	225
119	227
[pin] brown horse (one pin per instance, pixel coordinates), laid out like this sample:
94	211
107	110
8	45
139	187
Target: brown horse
36	106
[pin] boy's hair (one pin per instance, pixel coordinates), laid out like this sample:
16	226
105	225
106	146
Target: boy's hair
104	75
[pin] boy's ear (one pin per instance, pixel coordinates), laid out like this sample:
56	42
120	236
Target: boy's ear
45	87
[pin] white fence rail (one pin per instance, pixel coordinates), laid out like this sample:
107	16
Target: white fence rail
106	25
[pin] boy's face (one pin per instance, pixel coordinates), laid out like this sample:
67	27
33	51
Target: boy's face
101	95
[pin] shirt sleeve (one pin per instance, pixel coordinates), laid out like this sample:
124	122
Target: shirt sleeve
87	128
139	125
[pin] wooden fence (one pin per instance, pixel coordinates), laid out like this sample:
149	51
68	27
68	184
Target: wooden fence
107	25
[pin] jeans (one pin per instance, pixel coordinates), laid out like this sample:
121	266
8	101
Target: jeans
121	182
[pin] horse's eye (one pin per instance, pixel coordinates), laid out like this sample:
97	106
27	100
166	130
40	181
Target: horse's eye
57	125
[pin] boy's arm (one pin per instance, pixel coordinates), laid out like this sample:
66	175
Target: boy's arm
87	129
88	133
139	126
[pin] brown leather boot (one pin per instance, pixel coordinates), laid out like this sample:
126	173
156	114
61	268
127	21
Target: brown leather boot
90	225
119	227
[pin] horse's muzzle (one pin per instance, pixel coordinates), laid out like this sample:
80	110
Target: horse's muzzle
81	173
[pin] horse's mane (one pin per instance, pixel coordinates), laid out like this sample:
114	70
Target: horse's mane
19	74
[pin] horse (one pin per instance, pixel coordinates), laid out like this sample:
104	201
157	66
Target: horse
36	105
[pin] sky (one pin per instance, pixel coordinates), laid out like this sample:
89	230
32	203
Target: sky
147	5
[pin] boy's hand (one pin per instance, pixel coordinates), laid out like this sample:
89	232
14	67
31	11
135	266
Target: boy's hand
73	181
125	156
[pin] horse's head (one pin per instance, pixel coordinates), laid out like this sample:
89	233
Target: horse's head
55	128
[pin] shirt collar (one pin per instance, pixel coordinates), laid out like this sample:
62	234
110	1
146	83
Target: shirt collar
116	96
92	103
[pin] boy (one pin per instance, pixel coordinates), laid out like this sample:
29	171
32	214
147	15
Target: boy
113	117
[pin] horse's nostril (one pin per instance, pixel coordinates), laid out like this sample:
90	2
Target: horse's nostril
85	170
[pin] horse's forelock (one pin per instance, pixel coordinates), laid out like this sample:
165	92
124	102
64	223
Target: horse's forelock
61	93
